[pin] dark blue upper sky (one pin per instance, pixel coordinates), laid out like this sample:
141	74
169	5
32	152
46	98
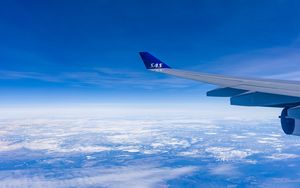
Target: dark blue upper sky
88	50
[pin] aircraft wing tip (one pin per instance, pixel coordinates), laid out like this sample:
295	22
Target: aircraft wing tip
152	62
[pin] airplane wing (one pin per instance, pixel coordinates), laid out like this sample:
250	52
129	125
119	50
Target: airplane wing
242	91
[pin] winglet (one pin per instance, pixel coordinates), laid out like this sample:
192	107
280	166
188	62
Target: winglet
152	62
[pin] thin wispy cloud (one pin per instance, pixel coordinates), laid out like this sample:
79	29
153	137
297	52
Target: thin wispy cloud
118	177
276	62
225	170
103	77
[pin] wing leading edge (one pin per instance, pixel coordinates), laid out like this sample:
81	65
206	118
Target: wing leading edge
242	91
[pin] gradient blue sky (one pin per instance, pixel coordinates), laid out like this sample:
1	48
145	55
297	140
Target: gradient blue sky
87	51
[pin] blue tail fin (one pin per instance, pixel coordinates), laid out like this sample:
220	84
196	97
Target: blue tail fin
152	62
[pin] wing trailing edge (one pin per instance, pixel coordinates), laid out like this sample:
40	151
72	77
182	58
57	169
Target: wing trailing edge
225	92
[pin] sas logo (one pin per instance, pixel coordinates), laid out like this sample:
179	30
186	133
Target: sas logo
156	65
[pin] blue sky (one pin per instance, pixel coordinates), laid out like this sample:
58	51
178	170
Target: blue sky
87	51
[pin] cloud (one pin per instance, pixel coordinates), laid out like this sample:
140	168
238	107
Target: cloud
102	77
281	182
85	135
275	62
225	170
92	143
92	134
14	75
283	60
283	156
227	153
117	177
196	153
290	75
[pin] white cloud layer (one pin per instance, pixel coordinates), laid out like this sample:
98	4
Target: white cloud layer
121	177
94	148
